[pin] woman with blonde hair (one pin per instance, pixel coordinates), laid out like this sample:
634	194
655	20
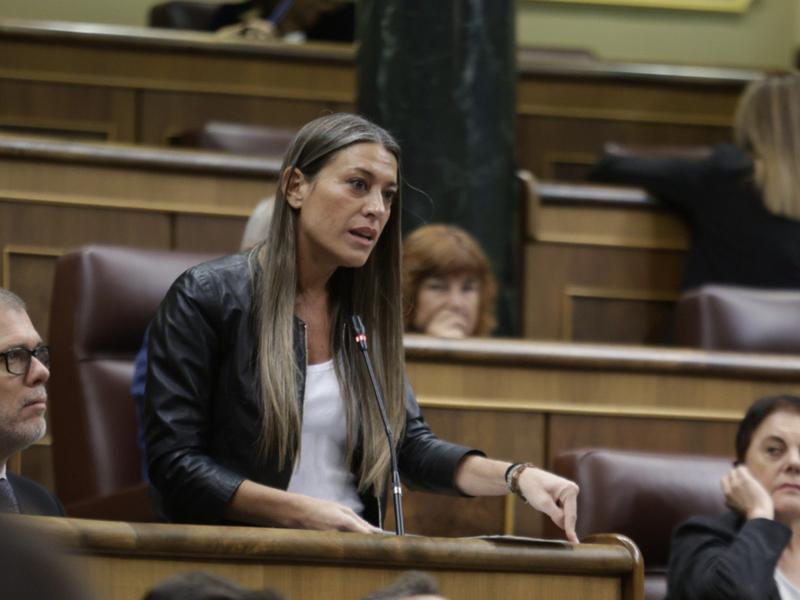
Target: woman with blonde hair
259	409
449	288
742	201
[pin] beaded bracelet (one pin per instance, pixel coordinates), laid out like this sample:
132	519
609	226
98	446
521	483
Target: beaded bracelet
510	468
513	478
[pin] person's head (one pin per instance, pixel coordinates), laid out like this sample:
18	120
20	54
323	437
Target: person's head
768	125
414	585
349	151
257	226
449	288
768	443
337	208
24	363
205	586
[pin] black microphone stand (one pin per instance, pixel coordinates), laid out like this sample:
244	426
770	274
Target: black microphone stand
397	490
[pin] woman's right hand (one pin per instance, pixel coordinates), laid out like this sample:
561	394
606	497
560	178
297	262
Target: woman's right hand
324	515
745	495
263	505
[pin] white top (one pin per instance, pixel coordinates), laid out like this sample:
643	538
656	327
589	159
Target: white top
321	470
787	589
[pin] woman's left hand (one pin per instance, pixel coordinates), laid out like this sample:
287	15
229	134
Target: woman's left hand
553	495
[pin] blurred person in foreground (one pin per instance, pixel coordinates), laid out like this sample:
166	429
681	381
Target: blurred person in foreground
753	551
412	585
197	585
449	288
33	567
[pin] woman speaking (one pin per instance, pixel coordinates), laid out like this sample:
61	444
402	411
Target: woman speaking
258	409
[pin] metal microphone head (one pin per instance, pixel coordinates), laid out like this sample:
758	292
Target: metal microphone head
361	332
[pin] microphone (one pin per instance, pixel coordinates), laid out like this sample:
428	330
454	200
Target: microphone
397	490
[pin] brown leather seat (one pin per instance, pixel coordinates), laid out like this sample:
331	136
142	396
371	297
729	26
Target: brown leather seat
103	299
643	496
237	138
722	317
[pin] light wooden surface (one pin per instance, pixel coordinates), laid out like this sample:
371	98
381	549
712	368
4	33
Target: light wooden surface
143	85
123	560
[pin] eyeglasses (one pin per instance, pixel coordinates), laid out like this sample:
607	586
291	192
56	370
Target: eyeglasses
18	360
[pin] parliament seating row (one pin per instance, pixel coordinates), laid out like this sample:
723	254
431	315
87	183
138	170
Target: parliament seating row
601	264
142	85
521	400
106	297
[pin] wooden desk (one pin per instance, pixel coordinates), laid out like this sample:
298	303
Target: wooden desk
522	400
601	263
123	560
142	85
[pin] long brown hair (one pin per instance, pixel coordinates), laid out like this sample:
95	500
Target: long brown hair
440	250
768	125
372	291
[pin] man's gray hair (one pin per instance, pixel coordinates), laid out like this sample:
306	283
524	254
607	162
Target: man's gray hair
9	299
410	583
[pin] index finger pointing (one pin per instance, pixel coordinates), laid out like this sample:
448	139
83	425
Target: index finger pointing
571	517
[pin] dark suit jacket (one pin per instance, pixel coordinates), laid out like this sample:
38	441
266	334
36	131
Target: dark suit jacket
726	558
33	498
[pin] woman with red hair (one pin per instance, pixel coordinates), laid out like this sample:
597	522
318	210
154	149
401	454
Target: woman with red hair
449	288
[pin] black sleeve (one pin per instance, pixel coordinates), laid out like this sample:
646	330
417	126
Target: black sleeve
672	180
710	562
426	462
183	354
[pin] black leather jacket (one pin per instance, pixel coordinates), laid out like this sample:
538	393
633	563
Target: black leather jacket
202	418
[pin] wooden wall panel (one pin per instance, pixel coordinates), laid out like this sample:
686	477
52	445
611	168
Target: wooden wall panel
503	435
208	233
566	147
32	236
559	278
68	110
105	182
679	436
606	315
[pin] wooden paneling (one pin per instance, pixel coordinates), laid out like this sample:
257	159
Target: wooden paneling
66	110
124	560
601	264
430	514
679	436
104	172
33	236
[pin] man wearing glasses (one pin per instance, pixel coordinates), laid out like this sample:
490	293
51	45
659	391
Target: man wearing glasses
24	370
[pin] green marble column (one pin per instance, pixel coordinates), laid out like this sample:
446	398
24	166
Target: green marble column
441	76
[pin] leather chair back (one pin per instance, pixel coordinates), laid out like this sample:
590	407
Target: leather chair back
183	14
237	138
721	317
103	300
643	496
